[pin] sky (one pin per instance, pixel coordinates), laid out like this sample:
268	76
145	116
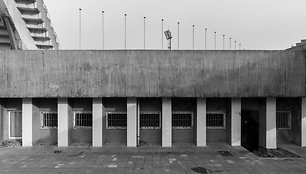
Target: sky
255	24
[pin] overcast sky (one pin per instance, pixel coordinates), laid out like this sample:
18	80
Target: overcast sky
256	24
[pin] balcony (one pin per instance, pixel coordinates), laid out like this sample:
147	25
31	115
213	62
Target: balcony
28	10
33	20
41	38
35	29
44	46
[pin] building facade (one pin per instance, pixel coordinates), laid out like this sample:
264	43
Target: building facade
153	98
26	25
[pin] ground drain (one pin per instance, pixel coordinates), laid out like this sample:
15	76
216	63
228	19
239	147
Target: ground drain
225	153
57	152
200	170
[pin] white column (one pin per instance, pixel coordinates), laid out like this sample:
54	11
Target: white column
131	122
201	122
236	122
97	122
63	130
166	122
271	123
303	123
27	113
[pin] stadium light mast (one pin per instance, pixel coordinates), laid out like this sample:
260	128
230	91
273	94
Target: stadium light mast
162	34
223	41
80	28
205	46
103	30
125	31
215	39
193	37
168	37
144	32
178	35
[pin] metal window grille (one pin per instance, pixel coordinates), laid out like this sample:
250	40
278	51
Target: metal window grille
116	120
82	119
182	120
149	120
215	120
283	119
48	119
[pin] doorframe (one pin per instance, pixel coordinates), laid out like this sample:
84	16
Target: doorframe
9	123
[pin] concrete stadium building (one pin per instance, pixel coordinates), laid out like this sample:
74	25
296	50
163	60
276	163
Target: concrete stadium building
25	25
152	98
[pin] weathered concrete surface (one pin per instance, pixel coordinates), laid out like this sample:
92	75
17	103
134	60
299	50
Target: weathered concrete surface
178	160
9	8
152	73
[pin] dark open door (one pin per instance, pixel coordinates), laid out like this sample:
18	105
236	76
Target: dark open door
250	129
15	124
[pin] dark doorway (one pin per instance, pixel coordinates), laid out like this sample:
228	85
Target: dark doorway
250	129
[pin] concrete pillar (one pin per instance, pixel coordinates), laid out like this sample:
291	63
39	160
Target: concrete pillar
303	123
63	121
97	122
201	122
131	122
166	122
271	123
236	122
27	115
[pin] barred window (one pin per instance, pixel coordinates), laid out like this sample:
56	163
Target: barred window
116	120
215	120
283	119
182	119
149	120
48	119
82	119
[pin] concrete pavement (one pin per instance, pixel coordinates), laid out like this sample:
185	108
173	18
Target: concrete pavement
178	159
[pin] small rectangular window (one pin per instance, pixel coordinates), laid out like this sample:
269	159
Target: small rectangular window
283	119
215	120
150	120
48	119
182	120
82	119
116	120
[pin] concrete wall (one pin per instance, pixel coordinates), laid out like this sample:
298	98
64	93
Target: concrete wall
187	135
293	135
43	136
219	135
81	135
6	105
152	73
151	136
114	136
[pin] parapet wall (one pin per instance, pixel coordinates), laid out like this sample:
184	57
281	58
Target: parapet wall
152	73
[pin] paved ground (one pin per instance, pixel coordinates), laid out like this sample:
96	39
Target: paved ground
179	159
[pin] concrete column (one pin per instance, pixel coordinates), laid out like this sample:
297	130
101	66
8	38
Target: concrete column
201	122
27	115
166	122
97	123
303	122
63	121
271	123
131	122
236	122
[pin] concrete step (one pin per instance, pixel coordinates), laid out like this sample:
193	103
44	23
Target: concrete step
4	40
3	32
